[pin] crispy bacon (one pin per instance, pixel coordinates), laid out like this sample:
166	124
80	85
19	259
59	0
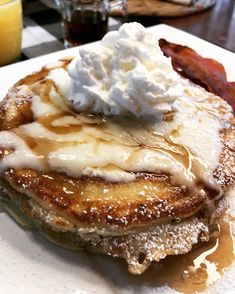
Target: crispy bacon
205	72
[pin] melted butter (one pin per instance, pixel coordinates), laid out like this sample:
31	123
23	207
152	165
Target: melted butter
195	271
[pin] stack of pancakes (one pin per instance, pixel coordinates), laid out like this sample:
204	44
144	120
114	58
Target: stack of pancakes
144	219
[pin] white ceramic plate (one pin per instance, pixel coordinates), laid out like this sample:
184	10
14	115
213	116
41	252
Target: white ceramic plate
29	264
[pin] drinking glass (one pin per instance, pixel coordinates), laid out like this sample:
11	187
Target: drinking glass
84	21
10	30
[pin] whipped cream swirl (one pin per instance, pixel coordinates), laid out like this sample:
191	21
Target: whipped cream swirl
126	73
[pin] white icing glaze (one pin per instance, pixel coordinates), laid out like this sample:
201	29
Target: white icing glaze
91	158
42	109
38	131
21	156
195	128
92	150
62	80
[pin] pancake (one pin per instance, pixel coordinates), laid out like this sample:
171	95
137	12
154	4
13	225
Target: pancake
116	186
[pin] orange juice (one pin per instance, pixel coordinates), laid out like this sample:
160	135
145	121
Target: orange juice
10	30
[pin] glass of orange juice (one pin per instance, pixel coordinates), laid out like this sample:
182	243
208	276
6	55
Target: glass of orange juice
10	30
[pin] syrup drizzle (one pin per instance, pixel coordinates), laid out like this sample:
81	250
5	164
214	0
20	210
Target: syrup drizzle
198	269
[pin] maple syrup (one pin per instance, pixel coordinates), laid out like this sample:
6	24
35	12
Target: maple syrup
86	26
196	270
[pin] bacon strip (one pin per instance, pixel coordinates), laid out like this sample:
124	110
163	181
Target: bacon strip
205	72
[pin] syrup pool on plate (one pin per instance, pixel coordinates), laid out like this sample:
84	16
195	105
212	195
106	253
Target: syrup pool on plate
197	270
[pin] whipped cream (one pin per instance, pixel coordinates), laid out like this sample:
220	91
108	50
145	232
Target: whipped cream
127	73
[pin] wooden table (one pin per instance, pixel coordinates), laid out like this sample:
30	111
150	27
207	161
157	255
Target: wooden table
216	25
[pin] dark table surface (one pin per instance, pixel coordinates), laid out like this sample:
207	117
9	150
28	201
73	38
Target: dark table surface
216	25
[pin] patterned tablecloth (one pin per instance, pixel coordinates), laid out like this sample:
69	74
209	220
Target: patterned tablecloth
42	33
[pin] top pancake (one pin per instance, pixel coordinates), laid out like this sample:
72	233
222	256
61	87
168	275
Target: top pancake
94	203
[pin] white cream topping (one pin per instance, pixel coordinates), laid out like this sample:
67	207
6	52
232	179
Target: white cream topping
19	154
113	153
91	158
196	129
62	80
126	73
42	109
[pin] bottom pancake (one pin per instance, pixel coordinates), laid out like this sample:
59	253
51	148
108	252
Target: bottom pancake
138	249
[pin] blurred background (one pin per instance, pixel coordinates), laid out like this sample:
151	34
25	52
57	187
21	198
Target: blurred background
49	26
